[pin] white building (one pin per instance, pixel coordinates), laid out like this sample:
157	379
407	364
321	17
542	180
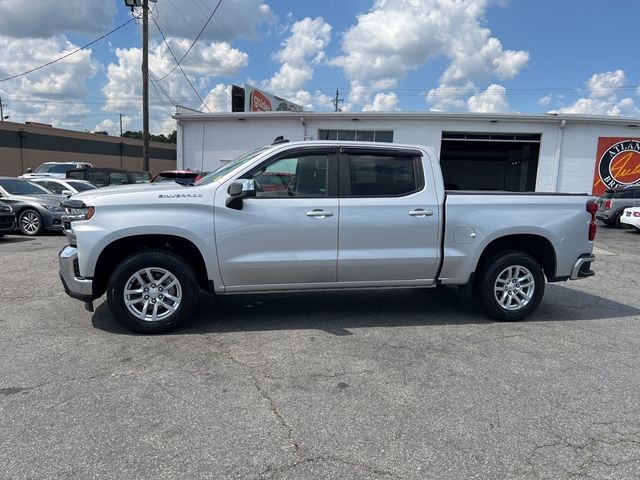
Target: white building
477	151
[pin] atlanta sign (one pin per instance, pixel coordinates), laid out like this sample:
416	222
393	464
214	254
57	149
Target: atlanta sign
617	163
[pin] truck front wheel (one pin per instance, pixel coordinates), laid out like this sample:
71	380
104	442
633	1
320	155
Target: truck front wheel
510	286
153	291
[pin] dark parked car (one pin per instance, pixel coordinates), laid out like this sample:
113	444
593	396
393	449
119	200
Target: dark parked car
7	219
183	177
613	202
104	177
36	208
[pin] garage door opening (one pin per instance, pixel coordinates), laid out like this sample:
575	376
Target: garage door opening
476	161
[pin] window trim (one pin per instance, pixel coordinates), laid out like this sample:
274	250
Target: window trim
332	168
345	171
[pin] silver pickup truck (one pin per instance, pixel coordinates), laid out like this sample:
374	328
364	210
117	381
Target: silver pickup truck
319	216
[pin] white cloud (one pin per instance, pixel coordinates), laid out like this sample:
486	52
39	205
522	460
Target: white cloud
300	52
605	85
205	60
123	89
65	78
383	102
397	36
603	97
219	98
492	100
238	18
40	95
544	101
45	18
447	98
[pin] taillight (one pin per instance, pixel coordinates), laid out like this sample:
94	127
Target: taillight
592	208
636	214
607	205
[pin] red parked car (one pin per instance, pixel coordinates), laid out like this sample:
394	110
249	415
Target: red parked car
273	181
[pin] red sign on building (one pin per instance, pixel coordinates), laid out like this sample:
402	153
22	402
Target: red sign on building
617	163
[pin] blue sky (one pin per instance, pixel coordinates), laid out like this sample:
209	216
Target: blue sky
408	55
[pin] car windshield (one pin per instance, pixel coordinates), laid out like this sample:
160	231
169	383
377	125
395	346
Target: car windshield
22	187
224	169
54	168
81	187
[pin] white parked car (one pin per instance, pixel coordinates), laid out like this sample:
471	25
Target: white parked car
61	186
54	169
631	216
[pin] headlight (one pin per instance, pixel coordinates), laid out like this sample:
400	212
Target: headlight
76	210
52	208
6	208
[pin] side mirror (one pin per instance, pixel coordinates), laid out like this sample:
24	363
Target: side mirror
68	193
29	170
239	190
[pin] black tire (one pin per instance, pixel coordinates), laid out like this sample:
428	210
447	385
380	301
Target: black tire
608	223
617	221
156	262
487	284
30	222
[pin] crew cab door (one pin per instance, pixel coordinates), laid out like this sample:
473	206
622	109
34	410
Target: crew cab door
389	217
288	233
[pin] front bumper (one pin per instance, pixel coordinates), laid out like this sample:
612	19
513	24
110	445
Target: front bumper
52	220
582	267
75	286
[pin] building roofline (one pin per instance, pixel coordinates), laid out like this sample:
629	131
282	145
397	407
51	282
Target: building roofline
186	116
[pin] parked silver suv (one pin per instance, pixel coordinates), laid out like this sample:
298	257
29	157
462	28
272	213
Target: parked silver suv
613	202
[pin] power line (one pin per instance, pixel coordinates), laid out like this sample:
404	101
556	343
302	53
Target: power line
178	62
68	54
179	66
158	86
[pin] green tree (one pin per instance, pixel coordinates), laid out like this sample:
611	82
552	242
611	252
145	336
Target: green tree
171	138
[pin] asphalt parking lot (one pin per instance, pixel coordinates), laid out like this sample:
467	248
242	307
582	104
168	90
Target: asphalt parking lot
386	385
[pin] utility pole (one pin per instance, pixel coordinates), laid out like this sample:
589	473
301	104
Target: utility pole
145	85
2	105
337	101
121	115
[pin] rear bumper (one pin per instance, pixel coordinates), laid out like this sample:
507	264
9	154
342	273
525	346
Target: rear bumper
75	286
582	267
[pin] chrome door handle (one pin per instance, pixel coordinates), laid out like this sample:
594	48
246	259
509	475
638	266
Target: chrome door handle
319	213
420	212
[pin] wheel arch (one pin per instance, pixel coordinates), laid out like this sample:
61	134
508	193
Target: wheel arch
115	252
536	246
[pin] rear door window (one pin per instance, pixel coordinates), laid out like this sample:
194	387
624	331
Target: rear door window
99	178
118	178
382	175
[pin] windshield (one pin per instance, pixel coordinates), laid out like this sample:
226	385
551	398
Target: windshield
22	187
54	168
224	169
81	187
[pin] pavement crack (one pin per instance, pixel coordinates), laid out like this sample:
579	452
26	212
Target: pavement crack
264	394
271	470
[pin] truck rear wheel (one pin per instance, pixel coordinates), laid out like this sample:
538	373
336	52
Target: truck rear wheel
510	286
153	291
